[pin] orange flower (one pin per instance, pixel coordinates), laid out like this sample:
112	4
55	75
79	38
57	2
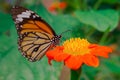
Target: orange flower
53	6
76	52
62	5
57	5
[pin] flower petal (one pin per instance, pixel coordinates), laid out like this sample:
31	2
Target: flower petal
61	57
100	50
74	62
51	54
62	5
91	60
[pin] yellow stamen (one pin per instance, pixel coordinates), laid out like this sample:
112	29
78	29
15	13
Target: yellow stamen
76	46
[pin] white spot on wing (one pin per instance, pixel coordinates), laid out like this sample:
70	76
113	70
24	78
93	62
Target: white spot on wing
37	15
29	11
19	20
34	16
23	16
26	13
21	26
20	17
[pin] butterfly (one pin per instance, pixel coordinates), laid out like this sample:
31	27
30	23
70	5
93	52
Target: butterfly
35	36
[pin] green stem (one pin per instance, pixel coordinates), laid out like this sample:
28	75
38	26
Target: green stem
104	37
75	74
75	4
97	4
90	32
85	6
79	4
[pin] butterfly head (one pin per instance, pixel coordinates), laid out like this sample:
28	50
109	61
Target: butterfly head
56	39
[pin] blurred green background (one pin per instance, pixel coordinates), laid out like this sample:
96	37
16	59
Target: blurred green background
96	20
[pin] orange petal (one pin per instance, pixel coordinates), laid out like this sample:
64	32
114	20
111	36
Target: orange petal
61	57
50	54
91	60
103	54
74	62
106	49
93	46
52	8
100	50
62	5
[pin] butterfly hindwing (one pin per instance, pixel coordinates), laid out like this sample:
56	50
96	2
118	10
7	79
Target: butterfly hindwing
34	45
35	35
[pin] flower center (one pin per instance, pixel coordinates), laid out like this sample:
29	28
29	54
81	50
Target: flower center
76	46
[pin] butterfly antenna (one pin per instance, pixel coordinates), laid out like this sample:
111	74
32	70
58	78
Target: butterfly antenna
65	32
18	2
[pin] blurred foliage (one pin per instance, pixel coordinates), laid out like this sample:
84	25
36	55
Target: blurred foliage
108	18
96	20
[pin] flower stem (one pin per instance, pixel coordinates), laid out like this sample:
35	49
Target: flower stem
97	4
90	32
104	37
75	74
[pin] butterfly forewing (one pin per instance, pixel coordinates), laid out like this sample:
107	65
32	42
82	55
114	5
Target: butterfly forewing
27	21
35	35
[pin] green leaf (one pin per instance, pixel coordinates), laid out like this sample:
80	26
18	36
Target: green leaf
5	22
100	20
88	72
113	64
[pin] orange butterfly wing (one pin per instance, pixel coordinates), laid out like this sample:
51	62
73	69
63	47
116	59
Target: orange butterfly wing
35	35
25	18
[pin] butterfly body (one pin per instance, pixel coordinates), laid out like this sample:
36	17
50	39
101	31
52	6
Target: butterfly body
35	36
